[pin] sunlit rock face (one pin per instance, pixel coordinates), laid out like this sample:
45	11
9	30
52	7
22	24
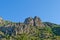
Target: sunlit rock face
29	21
37	21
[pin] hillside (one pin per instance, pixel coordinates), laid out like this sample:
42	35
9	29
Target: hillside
30	29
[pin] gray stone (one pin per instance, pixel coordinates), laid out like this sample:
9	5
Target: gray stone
29	21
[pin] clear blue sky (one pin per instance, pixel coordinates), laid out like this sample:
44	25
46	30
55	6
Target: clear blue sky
18	10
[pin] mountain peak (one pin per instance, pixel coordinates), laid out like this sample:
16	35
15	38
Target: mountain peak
29	21
36	21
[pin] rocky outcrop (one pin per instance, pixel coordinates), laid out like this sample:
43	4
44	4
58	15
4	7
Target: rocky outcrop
36	21
29	21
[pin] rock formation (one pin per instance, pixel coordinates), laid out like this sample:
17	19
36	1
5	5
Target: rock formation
29	21
36	21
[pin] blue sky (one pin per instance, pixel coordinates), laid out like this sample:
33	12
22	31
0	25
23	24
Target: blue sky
18	10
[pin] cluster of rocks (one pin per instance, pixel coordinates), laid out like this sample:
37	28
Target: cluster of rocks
36	21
